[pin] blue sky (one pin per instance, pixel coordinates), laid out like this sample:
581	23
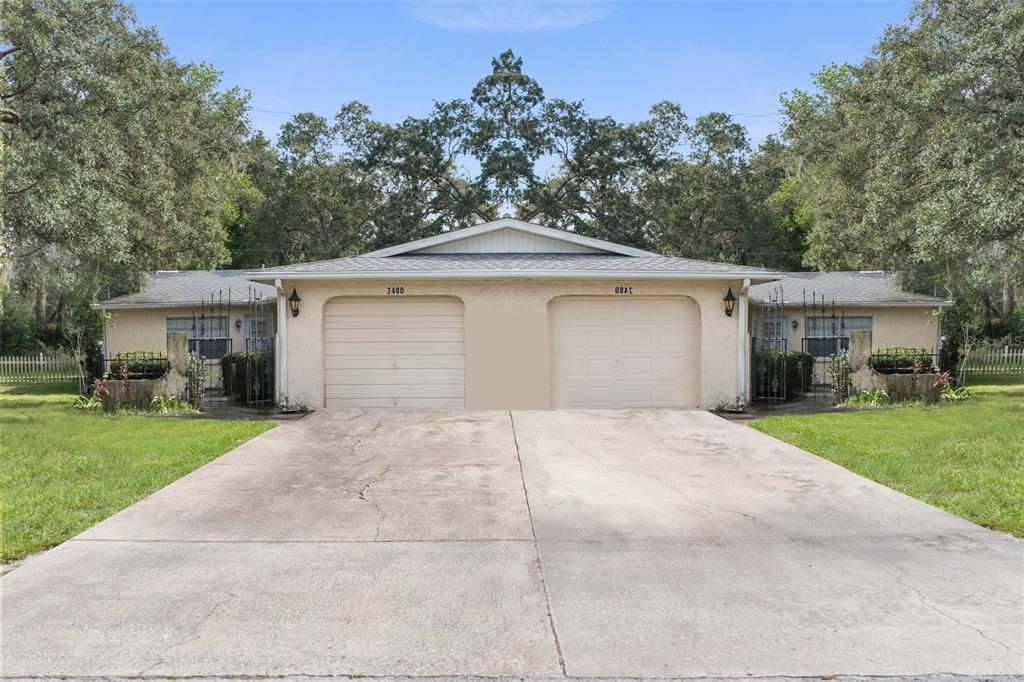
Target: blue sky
620	58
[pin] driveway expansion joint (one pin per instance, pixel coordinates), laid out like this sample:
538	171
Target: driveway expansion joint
536	548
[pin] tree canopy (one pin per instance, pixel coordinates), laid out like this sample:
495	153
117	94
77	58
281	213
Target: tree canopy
118	159
912	160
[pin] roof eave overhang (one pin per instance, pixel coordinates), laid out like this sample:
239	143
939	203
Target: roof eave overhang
171	304
754	277
869	304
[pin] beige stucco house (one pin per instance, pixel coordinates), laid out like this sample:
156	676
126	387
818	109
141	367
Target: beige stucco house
510	314
222	311
816	311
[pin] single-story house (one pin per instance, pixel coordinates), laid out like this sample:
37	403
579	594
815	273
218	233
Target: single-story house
509	314
221	310
816	311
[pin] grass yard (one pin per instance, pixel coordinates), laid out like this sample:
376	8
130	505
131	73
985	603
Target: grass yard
967	458
62	471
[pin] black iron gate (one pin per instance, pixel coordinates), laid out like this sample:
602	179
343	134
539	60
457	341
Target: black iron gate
769	346
234	372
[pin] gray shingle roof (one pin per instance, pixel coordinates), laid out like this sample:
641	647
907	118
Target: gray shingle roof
186	287
858	288
509	263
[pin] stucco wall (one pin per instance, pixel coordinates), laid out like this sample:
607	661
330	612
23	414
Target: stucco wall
135	330
506	334
890	326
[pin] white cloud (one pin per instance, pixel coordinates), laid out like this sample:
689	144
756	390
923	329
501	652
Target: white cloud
508	16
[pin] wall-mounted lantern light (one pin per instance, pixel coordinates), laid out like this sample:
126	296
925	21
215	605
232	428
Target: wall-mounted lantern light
794	323
293	302
238	323
730	303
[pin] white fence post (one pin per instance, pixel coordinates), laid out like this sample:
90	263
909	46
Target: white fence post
23	369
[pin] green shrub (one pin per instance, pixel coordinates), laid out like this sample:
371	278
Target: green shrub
249	375
898	360
139	365
768	372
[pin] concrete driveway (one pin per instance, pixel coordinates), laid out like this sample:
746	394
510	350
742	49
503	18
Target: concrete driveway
536	544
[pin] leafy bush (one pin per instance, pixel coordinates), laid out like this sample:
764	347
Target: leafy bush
840	371
955	395
195	379
768	372
249	375
170	404
871	398
88	403
138	365
902	361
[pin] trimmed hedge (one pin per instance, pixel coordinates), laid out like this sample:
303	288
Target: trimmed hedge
898	360
249	376
768	372
140	365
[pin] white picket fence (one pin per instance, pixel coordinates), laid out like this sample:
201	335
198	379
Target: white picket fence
995	360
37	369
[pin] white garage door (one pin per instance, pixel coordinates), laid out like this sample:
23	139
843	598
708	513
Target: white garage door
381	352
624	352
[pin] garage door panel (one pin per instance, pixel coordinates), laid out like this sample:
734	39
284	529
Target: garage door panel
340	403
388	322
393	348
411	307
394	391
624	352
393	376
394	352
387	361
410	335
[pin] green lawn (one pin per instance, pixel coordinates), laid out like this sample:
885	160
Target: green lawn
62	471
967	458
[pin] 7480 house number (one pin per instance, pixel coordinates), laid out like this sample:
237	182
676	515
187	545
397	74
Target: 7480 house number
624	290
396	291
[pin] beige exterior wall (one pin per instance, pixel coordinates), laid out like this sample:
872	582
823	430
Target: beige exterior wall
916	327
507	341
146	329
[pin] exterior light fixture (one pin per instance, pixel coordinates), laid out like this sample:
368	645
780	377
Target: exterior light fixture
730	303
238	323
293	303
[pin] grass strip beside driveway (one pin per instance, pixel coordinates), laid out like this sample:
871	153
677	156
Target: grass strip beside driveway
62	471
966	458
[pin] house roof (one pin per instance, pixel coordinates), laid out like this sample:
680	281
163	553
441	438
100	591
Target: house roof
512	265
189	287
509	248
548	233
849	288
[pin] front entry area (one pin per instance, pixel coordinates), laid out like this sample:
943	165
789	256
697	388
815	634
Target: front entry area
624	352
394	352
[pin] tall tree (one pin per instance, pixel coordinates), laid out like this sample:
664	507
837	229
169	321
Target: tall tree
116	158
911	160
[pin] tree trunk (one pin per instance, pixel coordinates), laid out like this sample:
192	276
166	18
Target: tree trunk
1007	298
41	305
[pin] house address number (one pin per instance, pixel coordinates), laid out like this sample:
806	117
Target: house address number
624	290
396	291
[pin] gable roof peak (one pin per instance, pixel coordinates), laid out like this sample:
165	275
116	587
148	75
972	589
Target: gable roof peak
577	240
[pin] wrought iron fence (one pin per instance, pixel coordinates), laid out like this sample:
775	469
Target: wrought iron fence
135	365
904	361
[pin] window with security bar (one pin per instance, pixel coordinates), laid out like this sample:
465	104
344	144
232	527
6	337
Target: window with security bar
207	336
828	335
258	332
